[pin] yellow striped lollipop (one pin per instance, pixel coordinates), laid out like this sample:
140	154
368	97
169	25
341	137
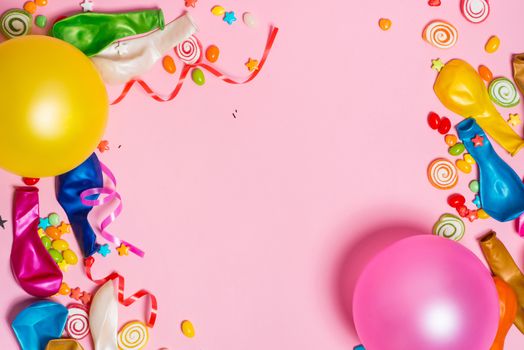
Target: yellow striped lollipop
133	336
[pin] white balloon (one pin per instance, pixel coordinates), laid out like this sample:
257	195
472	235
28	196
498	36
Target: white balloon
103	318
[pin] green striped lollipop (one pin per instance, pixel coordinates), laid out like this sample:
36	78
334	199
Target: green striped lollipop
15	23
449	226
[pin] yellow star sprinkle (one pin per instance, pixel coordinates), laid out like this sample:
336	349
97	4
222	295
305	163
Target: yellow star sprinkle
63	265
123	250
437	64
64	228
514	119
252	64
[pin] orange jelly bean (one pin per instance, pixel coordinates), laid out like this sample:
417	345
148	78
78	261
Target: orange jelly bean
451	140
212	53
30	7
384	23
41	2
53	232
169	64
64	289
485	73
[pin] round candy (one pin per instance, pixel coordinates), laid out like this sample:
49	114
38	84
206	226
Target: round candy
14	23
41	21
503	92
442	174
46	241
445	125
384	23
456	200
449	226
433	120
463	166
212	53
169	64
440	34
77	324
53	232
492	44
218	10
485	73
60	245
41	2
450	140
189	50
468	158
54	219
187	329
249	20
475	11
133	336
457	149
64	289
55	254
198	76
474	186
30	7
30	181
70	257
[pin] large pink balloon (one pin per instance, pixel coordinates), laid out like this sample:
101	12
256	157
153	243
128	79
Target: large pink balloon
426	293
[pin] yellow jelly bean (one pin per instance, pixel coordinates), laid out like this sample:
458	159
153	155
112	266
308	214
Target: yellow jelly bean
41	232
450	140
64	289
463	166
492	44
468	158
70	257
482	214
187	329
218	10
384	23
60	245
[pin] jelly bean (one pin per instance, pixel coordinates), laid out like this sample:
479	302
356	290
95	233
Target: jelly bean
218	10
41	2
70	257
481	213
462	210
169	64
445	125
456	200
187	329
212	53
30	7
54	219
198	76
384	23
485	73
60	245
55	254
457	149
433	120
249	20
450	139
463	166
492	44
30	181
53	232
41	232
64	289
474	186
46	241
41	21
468	158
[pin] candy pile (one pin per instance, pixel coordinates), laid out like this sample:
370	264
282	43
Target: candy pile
50	230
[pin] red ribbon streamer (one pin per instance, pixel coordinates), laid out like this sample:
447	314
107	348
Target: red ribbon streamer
272	35
153	309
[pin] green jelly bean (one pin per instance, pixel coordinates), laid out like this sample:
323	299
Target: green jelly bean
46	241
457	149
474	186
55	254
54	219
41	21
198	76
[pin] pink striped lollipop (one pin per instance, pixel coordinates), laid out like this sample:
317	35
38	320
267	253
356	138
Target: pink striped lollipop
189	50
77	324
475	11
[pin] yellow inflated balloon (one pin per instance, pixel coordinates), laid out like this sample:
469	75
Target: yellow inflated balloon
461	89
53	106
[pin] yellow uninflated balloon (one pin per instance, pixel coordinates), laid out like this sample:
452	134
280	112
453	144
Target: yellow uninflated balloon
53	106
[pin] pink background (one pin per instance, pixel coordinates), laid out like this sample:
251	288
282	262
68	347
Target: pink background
256	227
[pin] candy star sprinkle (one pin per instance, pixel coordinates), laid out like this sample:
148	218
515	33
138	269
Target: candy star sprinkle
514	119
87	5
191	3
103	146
2	222
64	228
76	293
104	250
252	64
478	141
472	215
44	223
123	250
476	201
63	265
86	298
437	64
229	17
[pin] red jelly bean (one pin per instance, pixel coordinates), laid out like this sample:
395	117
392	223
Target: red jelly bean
433	120
445	126
30	181
456	200
463	211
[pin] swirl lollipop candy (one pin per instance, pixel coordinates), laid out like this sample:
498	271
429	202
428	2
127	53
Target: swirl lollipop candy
14	23
449	226
133	336
442	174
503	92
460	89
475	11
77	325
189	51
440	34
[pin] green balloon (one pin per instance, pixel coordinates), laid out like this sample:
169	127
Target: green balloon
198	76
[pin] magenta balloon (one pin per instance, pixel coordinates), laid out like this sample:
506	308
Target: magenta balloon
426	293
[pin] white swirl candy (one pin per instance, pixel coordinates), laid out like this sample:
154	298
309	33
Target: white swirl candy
475	11
133	336
440	34
503	92
15	23
189	51
449	226
77	324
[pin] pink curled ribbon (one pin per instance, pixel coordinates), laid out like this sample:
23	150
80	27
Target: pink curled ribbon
108	196
157	97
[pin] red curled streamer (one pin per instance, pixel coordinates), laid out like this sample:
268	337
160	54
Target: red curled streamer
272	35
153	309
